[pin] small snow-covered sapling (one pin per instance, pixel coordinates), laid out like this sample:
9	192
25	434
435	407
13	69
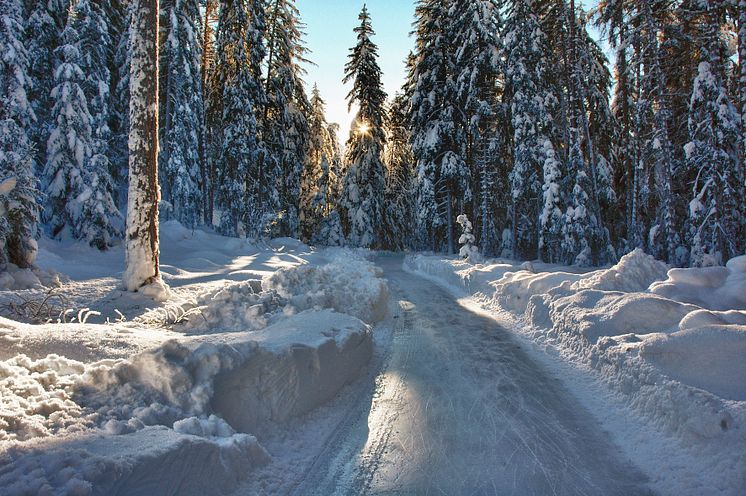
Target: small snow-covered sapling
467	239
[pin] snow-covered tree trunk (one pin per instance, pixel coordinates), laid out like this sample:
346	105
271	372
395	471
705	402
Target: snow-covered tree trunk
142	272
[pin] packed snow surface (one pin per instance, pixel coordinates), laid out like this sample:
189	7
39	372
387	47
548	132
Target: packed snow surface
120	394
669	345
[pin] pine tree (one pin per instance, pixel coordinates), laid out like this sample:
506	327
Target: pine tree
285	127
246	196
75	180
19	211
119	108
532	102
551	219
181	157
44	26
478	66
438	133
399	162
715	210
364	184
319	179
142	271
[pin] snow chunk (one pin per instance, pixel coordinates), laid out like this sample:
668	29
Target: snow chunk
347	284
711	357
714	288
636	271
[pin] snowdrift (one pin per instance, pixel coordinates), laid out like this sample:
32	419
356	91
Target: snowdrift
670	343
175	401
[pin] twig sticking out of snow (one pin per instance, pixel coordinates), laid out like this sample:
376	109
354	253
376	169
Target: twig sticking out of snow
37	310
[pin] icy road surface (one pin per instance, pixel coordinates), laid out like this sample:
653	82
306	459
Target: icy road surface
457	407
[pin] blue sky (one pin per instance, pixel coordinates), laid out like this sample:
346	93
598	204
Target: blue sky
329	25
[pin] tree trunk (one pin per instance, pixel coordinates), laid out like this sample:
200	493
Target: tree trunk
142	209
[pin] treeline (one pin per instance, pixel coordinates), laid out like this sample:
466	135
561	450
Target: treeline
513	121
510	115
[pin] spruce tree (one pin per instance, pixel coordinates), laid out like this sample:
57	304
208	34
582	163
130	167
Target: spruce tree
399	162
19	210
715	208
478	67
180	156
532	102
245	197
438	132
319	180
75	178
44	26
285	127
364	183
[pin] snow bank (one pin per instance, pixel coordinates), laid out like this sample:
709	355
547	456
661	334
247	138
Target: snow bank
347	284
154	460
167	403
714	288
16	279
233	382
672	343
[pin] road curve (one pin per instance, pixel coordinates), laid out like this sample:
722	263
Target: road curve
458	408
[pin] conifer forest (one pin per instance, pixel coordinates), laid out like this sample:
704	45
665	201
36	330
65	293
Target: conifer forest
513	114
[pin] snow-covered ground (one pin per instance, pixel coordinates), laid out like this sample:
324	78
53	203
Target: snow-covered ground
659	355
115	393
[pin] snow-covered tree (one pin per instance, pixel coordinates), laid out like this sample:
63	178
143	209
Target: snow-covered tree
319	181
44	26
362	197
532	102
180	157
580	223
551	218
120	101
246	196
439	137
19	211
142	271
285	127
399	163
75	178
467	240
478	68
714	210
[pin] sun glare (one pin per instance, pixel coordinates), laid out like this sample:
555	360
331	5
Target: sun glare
363	128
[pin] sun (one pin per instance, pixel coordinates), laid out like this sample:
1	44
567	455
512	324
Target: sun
363	128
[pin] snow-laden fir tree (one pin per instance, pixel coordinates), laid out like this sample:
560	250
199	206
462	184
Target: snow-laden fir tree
361	203
180	157
579	224
478	66
399	163
119	107
285	128
246	197
319	181
75	178
715	217
438	131
142	271
532	102
551	218
467	240
19	210
43	30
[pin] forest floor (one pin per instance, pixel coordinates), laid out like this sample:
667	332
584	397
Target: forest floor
277	368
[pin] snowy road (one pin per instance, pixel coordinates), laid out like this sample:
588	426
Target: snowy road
458	407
